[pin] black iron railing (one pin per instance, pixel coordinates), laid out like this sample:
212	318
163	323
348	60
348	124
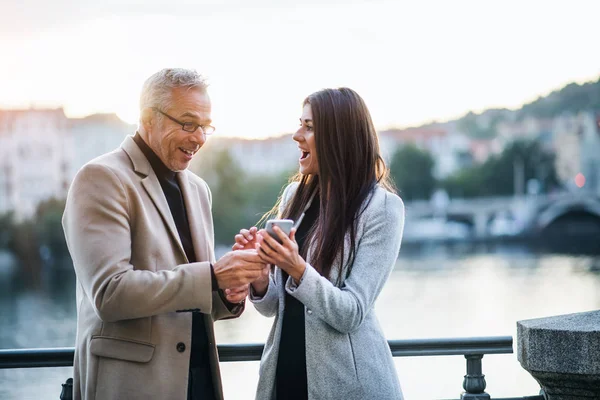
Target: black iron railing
473	349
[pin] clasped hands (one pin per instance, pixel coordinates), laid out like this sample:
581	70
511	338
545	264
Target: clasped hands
284	255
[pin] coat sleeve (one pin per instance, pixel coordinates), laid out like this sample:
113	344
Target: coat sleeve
97	226
344	308
222	309
268	304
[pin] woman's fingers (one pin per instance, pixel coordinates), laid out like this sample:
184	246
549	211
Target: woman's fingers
236	298
240	238
270	241
265	272
237	294
287	241
247	235
264	252
245	239
280	234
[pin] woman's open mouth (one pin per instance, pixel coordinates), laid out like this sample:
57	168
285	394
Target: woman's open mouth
304	155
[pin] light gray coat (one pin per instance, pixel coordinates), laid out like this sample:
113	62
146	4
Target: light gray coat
347	355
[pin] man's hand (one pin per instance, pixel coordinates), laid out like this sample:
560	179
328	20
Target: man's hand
238	268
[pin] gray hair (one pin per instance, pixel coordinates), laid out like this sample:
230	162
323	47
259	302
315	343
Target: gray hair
156	91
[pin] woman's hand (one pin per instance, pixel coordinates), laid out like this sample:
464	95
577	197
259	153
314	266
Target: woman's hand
237	294
284	255
245	240
261	285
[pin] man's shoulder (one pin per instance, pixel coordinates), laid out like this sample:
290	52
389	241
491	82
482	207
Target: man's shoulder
196	180
114	162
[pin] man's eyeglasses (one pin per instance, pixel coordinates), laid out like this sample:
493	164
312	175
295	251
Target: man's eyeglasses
189	126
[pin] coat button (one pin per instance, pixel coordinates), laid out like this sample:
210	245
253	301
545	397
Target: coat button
309	311
181	347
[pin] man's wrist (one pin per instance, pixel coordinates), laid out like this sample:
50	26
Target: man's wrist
213	278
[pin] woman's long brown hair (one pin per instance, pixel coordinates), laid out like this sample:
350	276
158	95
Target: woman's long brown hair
350	166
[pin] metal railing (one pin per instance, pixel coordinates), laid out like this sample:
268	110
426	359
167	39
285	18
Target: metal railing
473	349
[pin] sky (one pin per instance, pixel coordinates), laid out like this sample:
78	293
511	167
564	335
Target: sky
412	61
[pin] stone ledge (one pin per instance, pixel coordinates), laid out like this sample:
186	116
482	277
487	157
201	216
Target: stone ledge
563	354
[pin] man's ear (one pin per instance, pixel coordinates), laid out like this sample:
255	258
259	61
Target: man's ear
147	119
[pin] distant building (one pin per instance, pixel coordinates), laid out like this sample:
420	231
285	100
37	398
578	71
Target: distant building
590	150
529	128
95	135
482	149
42	149
577	148
270	156
34	162
449	148
567	147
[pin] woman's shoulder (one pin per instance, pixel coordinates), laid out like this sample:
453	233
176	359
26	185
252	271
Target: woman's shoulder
384	201
289	191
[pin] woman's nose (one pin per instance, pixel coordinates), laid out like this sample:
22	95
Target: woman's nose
298	136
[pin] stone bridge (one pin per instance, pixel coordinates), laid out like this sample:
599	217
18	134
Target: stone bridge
532	214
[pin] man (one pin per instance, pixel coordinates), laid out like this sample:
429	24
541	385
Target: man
140	232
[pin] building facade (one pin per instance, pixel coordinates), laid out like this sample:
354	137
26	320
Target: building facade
42	149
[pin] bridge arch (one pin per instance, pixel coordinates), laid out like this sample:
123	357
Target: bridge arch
574	209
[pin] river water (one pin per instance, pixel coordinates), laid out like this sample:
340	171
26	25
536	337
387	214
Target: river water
434	292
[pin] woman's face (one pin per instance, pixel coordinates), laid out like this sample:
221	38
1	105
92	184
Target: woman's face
305	136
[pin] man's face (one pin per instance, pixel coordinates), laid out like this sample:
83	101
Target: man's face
174	146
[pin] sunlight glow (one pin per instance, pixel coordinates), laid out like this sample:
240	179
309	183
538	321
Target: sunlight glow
411	65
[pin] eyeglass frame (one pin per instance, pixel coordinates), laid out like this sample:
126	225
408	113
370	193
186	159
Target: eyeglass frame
183	124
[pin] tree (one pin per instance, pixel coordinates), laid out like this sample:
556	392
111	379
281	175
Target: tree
238	200
227	184
49	231
7	228
412	170
496	177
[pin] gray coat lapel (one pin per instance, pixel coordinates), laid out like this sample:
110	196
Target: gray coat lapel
150	182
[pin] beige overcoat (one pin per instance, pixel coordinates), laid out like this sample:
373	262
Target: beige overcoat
136	289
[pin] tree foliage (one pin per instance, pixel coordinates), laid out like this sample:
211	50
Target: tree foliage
496	177
412	171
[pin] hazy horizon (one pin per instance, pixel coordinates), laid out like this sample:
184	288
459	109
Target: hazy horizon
413	63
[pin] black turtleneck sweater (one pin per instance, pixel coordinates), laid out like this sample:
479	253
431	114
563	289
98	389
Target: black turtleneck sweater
200	385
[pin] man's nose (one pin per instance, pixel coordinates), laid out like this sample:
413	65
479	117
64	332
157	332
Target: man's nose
198	137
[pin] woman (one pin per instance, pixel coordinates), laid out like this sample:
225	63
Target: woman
326	342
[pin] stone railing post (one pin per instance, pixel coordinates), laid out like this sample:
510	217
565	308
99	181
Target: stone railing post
474	382
562	353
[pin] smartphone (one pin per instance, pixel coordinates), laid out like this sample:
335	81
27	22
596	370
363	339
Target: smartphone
284	224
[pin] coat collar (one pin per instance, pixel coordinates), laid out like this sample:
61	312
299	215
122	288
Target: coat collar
150	182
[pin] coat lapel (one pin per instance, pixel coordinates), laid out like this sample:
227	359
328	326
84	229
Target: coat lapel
150	183
195	210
